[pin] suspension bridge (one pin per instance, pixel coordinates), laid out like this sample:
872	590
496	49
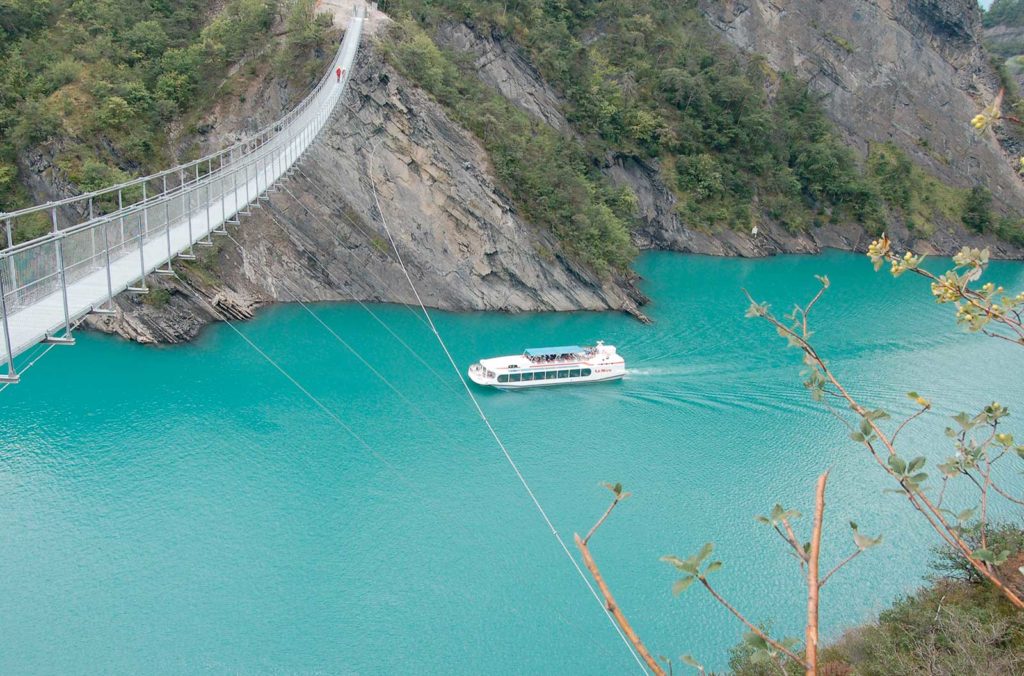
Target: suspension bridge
104	242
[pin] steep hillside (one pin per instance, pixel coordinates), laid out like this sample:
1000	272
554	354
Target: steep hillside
714	139
908	73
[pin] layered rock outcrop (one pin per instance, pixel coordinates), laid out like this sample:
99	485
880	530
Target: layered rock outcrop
908	72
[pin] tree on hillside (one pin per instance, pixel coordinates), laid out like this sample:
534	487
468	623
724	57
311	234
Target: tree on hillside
1005	13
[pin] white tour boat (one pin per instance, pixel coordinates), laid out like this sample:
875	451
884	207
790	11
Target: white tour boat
550	366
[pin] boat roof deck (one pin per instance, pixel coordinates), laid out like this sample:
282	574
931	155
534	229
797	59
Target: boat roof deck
553	351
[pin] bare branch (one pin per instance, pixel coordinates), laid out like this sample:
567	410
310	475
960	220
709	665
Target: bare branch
839	565
609	600
793	540
619	497
751	626
813	586
907	421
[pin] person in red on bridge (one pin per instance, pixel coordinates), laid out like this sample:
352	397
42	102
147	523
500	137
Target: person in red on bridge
338	72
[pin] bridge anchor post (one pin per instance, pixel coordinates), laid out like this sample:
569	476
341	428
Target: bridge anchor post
109	310
67	338
12	375
167	230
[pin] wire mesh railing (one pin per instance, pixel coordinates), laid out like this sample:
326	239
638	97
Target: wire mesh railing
102	242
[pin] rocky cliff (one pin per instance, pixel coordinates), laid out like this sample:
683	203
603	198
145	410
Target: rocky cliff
904	74
501	65
909	72
321	235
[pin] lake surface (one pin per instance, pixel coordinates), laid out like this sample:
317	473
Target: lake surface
188	510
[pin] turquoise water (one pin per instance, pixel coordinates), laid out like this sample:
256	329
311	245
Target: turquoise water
186	509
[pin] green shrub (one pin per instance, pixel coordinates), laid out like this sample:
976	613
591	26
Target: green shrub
978	209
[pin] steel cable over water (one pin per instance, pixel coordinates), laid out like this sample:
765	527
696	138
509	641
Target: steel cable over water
361	303
490	428
409	484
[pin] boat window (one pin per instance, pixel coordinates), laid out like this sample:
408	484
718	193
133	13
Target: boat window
585	372
563	374
503	378
513	377
527	376
575	373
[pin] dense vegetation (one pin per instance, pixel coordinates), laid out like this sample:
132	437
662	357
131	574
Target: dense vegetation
1004	13
101	80
957	624
648	78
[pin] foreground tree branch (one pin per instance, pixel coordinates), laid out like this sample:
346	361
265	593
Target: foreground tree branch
813	586
823	382
609	599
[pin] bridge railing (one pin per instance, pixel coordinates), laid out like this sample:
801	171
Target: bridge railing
152	219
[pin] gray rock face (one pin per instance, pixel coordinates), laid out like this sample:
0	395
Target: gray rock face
900	71
502	66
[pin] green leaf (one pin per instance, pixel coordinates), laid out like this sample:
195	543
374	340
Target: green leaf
966	515
614	488
1002	557
916	464
858	437
682	584
704	552
755	641
918	478
912	395
763	519
712	567
863	541
963	420
673	561
688	660
897	464
984	555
